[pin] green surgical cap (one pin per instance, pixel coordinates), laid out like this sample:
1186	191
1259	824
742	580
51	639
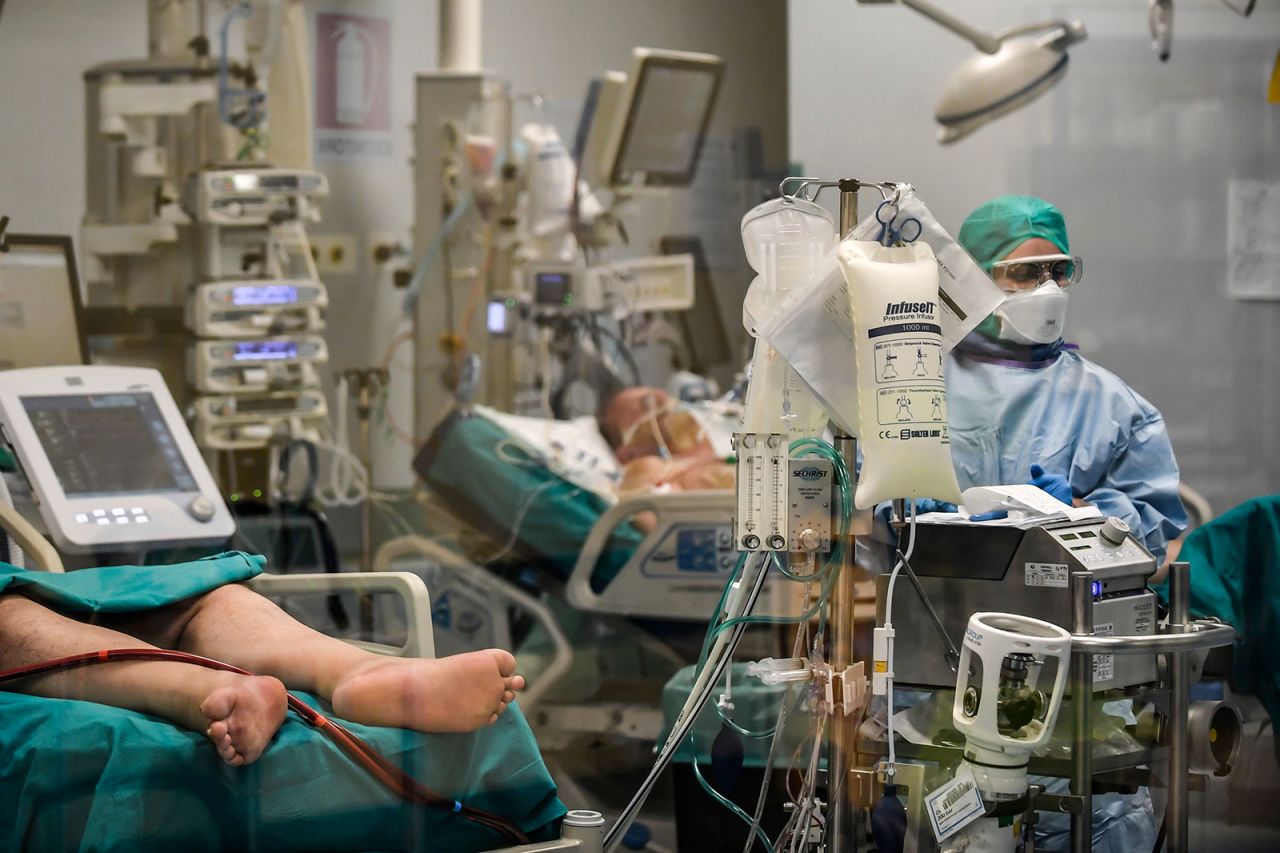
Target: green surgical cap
1001	225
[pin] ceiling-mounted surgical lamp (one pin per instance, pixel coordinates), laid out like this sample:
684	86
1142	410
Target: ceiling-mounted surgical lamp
1015	67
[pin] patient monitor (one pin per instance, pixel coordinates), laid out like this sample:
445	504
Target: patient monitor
110	462
648	127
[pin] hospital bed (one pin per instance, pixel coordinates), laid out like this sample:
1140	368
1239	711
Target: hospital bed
79	775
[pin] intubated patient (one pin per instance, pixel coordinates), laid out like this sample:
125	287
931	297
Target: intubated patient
661	447
238	713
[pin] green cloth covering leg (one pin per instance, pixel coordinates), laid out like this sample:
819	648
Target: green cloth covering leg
123	589
81	776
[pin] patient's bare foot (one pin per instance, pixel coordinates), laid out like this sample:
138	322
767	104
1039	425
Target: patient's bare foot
243	715
459	693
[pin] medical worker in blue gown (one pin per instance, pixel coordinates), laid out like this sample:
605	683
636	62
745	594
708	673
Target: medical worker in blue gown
1018	396
1026	407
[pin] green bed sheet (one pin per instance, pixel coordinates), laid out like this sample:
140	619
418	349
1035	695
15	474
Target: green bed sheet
461	463
1235	577
81	776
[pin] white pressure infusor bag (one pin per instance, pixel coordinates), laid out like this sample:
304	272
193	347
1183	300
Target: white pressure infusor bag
902	398
966	293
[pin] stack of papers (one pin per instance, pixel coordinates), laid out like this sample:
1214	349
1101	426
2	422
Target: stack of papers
1028	506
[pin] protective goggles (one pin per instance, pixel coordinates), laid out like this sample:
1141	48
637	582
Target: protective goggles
1025	273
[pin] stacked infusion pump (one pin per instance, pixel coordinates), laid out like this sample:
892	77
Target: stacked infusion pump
259	345
188	262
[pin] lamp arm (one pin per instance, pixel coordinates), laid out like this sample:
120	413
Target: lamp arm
1069	32
984	42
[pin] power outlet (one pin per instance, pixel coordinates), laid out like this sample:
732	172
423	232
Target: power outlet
387	248
336	254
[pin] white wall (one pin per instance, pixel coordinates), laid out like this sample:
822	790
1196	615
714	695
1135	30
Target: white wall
45	45
1139	156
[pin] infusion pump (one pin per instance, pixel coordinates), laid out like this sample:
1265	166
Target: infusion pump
257	364
254	197
109	462
246	308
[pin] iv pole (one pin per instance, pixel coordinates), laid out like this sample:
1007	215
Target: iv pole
843	735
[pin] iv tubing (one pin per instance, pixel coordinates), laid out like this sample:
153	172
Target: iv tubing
717	650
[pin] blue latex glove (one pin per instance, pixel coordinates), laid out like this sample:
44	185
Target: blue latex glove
924	505
1054	484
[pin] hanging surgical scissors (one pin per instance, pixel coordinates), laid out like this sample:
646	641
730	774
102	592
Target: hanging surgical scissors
889	235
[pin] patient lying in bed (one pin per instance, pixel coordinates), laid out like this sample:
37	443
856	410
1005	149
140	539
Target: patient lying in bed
661	448
240	714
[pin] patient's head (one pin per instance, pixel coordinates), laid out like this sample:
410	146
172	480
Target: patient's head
643	421
629	421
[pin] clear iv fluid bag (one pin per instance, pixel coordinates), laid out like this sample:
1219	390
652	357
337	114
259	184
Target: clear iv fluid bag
778	400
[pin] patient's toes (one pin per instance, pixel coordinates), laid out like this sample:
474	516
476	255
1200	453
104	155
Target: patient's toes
244	715
506	662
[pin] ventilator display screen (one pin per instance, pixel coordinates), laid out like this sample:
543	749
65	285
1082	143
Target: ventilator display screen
108	444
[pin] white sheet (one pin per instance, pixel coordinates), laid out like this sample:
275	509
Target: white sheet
573	449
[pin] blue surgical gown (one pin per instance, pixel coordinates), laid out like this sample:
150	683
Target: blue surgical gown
1075	419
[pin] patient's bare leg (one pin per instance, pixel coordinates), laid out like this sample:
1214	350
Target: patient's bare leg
236	625
240	714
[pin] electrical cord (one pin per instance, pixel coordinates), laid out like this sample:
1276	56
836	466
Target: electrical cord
892	766
685	723
348	479
360	752
623	350
304	506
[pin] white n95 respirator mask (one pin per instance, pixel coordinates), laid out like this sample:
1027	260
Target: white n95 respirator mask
1034	316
